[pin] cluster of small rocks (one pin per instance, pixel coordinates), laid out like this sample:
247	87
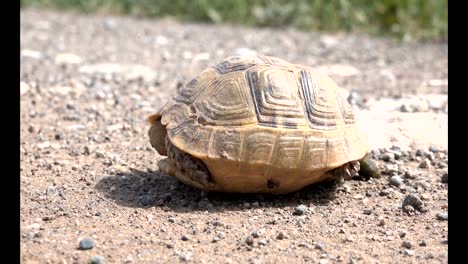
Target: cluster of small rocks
413	202
411	181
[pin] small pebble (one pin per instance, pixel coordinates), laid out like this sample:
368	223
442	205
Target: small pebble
408	252
388	157
97	260
384	192
300	210
272	222
43	145
442	216
412	200
51	190
425	196
258	233
423	209
402	234
444	178
185	238
420	153
87	244
406	108
185	256
88	149
407	244
346	188
434	149
396	154
262	242
304	244
408	209
58	136
426	163
217	223
319	246
423	243
249	241
410	174
358	196
391	169
47	218
382	222
396	181
367	211
221	235
128	259
280	235
430	156
395	148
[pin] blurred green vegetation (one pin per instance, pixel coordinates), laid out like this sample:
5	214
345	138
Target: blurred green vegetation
405	19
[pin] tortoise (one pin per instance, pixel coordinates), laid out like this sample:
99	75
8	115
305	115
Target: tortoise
257	124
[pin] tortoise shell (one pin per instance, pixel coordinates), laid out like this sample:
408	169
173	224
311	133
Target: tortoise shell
257	124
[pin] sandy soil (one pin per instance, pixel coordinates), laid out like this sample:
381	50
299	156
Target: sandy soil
88	171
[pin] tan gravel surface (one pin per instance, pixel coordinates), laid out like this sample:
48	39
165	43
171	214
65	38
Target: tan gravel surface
88	171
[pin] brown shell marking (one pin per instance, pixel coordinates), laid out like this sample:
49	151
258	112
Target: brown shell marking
275	95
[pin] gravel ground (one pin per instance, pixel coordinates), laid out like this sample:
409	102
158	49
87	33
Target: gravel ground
91	191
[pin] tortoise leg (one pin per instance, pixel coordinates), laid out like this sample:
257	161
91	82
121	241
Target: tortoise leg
364	167
349	170
344	172
186	168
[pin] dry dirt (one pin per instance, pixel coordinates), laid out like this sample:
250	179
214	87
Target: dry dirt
88	171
